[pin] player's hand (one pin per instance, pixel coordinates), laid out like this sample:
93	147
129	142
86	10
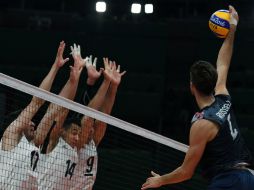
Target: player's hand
152	182
79	63
234	18
76	54
117	75
75	50
108	69
92	73
60	61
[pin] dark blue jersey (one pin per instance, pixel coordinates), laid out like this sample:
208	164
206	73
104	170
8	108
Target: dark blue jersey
228	148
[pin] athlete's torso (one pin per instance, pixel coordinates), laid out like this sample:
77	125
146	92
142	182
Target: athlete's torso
19	166
227	148
85	172
56	169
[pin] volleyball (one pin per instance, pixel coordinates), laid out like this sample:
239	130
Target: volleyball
219	23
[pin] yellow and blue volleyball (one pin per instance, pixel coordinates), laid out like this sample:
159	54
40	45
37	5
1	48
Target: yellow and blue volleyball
219	23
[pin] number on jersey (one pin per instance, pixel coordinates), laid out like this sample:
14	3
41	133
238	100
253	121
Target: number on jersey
89	163
70	168
34	159
233	131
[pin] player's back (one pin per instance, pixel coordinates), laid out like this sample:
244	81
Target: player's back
227	149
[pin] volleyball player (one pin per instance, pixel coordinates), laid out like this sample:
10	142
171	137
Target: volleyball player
94	131
215	139
54	119
55	113
19	155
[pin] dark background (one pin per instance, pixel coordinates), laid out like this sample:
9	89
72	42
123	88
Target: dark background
156	51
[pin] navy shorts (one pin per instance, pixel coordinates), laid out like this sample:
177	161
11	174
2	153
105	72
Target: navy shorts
239	179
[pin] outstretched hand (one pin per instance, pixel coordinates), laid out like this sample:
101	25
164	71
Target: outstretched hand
60	61
152	182
107	71
92	73
76	54
117	75
112	72
79	63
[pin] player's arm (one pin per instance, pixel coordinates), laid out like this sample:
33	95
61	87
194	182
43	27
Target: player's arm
87	122
58	113
99	126
59	62
225	54
92	76
13	133
202	131
99	97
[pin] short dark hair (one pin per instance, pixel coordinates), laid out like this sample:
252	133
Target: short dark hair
69	121
204	77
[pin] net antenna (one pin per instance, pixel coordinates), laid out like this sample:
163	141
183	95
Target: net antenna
53	98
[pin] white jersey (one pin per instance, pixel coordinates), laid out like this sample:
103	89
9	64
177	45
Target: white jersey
18	167
56	169
85	173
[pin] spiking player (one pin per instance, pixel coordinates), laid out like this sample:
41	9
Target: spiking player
215	139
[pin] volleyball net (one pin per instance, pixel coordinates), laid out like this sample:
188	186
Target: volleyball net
123	160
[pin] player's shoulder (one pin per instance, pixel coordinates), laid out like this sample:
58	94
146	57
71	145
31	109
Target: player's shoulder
219	107
205	128
90	146
203	123
206	118
61	144
90	149
223	100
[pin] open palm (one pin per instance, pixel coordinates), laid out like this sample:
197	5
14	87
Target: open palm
60	61
117	76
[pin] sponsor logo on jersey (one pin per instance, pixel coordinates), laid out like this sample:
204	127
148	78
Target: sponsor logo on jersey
197	116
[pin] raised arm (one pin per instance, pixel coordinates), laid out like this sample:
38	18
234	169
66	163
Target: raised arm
58	113
59	62
99	126
14	132
225	54
92	76
96	103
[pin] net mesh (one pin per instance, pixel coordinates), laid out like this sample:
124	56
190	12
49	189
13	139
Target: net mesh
123	159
